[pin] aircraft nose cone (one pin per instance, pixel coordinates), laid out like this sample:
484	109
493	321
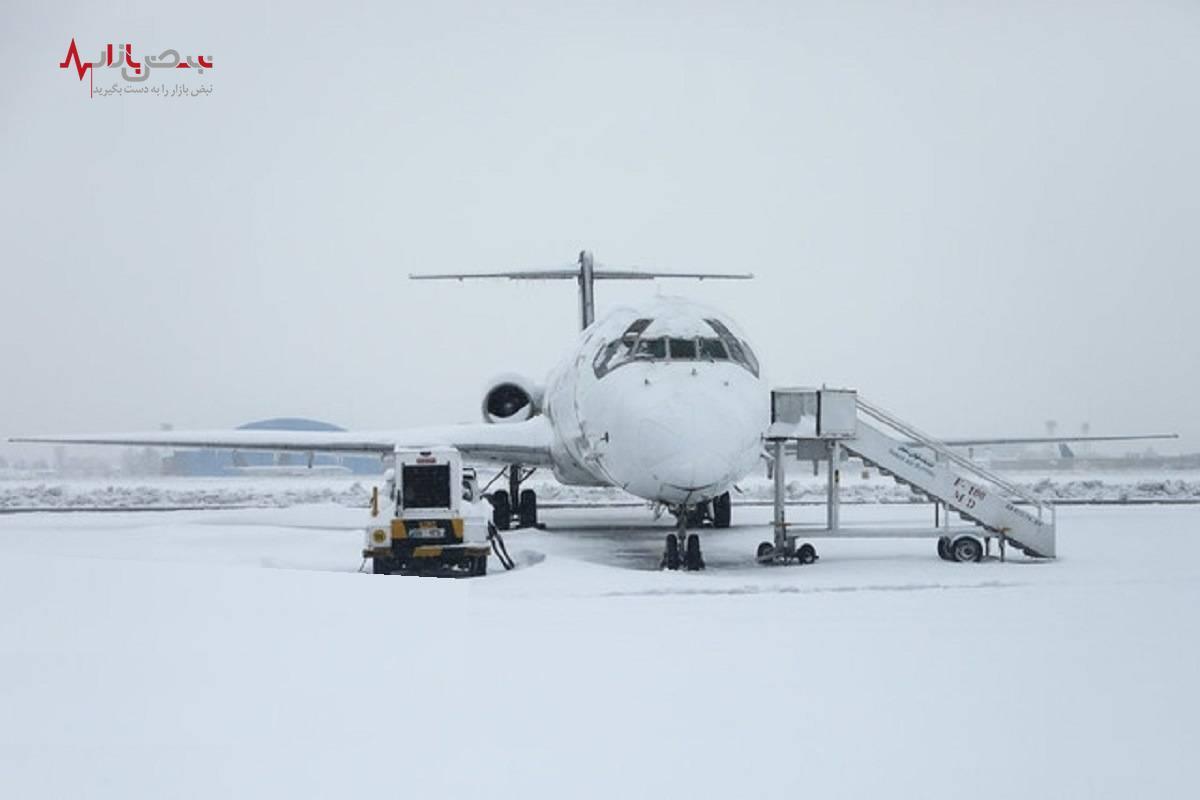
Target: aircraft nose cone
694	449
688	440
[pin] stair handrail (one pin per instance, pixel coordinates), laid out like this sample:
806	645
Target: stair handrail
939	447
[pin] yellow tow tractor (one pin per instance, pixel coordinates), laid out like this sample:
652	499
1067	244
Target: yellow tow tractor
426	532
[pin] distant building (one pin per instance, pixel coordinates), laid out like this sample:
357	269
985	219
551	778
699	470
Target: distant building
230	462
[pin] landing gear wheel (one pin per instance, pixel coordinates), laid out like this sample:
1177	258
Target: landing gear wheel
943	548
527	514
670	559
966	548
692	559
501	510
765	549
806	554
722	511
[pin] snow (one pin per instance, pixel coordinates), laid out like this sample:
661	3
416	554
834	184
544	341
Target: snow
283	492
239	653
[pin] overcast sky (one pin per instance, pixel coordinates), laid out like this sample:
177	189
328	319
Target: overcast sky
981	215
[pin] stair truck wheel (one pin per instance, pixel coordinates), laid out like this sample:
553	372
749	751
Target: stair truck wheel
966	548
722	511
670	559
382	565
501	510
807	554
943	548
764	550
527	515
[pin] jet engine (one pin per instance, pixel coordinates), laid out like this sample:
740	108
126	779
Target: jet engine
512	398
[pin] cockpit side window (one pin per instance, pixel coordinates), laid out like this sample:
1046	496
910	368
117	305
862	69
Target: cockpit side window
604	357
651	348
621	351
751	359
636	328
739	351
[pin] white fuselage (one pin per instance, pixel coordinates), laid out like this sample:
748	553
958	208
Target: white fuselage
664	401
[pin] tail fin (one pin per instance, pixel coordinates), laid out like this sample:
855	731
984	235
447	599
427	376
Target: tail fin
587	274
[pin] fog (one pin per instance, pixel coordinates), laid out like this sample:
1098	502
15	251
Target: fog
983	216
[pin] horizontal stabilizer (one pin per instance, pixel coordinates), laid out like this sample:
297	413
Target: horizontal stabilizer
586	273
599	274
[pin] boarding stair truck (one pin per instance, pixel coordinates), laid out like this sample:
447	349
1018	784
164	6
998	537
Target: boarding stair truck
418	525
828	424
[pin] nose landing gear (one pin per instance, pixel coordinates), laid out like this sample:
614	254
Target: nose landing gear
691	559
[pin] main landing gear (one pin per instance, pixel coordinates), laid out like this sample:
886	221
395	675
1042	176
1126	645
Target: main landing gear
682	549
516	505
718	512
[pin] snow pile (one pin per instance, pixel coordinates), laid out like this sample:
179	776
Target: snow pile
179	495
1066	486
1092	490
802	487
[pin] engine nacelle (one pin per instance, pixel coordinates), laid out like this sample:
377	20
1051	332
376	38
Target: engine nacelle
512	398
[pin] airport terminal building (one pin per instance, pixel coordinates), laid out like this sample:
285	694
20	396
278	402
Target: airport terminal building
200	463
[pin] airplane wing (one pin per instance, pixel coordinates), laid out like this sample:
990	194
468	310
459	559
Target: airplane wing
523	442
1055	439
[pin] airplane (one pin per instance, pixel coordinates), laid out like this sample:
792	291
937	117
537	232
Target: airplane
665	400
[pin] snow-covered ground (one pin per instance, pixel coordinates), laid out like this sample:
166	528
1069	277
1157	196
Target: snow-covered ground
239	654
803	486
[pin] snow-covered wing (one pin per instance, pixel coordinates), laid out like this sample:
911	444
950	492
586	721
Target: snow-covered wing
523	442
1055	439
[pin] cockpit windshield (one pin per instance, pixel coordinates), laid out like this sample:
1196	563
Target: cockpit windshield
636	346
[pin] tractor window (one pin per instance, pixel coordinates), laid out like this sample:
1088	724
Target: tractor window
426	486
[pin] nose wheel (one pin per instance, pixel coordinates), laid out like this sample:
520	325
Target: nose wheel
688	556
